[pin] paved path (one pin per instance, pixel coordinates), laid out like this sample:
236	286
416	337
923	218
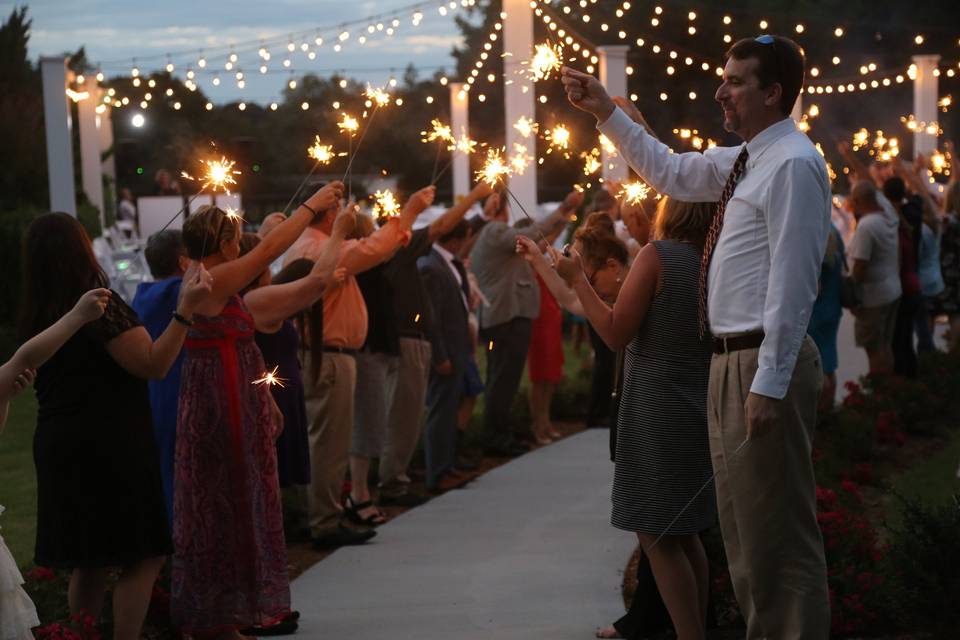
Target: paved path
525	551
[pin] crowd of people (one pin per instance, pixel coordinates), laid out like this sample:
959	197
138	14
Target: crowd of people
298	355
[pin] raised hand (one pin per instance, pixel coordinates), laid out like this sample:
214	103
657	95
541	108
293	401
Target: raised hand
91	305
573	200
326	197
492	204
528	249
587	94
568	264
344	223
419	201
196	286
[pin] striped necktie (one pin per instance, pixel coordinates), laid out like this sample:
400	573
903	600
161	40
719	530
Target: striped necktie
716	225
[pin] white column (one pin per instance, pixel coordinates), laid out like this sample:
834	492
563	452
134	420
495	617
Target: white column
925	91
519	97
797	111
59	151
90	165
459	125
105	133
613	76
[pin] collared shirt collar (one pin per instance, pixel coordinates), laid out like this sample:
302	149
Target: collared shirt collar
443	252
769	136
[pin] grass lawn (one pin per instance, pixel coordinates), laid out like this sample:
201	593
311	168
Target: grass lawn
933	482
18	481
18	484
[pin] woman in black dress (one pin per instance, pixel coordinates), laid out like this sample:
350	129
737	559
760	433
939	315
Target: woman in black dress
661	487
99	500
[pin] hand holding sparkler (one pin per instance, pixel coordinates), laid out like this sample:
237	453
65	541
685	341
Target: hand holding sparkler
418	203
325	198
197	285
344	223
587	94
569	265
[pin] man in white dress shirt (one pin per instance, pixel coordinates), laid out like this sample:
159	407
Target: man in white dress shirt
764	256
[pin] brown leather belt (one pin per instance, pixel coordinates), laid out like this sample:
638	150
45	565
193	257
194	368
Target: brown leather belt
737	343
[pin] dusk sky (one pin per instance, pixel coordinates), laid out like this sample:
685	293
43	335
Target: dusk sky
117	31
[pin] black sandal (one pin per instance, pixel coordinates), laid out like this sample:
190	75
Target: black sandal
352	510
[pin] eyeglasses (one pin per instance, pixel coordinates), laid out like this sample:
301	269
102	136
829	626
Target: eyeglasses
765	39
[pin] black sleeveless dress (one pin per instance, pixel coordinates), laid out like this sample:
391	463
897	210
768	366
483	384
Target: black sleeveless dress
663	450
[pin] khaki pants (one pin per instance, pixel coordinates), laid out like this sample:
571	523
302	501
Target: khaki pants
766	500
330	417
405	414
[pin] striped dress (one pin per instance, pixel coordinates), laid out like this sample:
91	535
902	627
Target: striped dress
663	452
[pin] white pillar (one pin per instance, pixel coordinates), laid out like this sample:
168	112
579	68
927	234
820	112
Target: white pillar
59	150
613	76
519	97
105	133
90	165
925	93
459	125
797	111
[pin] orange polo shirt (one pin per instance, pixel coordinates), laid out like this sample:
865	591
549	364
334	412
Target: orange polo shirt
344	311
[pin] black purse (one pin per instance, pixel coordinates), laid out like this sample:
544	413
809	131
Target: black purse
849	293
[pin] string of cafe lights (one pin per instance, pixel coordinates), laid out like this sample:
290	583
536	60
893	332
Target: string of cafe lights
838	85
201	63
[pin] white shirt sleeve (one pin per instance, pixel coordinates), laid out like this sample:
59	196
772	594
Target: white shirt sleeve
861	247
798	221
692	176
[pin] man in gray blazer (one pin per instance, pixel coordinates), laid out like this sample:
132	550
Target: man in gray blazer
512	301
445	281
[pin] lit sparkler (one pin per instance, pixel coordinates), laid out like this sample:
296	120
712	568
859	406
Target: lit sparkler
559	137
377	95
860	139
218	174
526	127
348	124
465	144
385	205
520	159
494	168
270	378
607	145
322	153
440	131
634	192
591	161
547	60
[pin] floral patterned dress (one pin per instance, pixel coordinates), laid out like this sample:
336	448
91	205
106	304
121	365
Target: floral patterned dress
229	565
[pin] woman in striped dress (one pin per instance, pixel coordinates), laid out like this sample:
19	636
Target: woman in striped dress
663	454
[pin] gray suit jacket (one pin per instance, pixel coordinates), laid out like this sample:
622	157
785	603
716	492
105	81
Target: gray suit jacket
452	334
504	276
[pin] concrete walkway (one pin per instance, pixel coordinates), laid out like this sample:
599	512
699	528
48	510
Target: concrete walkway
525	551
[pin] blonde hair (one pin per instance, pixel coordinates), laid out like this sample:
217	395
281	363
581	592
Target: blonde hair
206	228
686	221
363	227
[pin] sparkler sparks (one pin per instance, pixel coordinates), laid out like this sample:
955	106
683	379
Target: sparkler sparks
348	124
547	60
322	153
591	161
218	174
465	144
526	127
607	145
634	192
520	159
377	95
559	139
385	205
494	168
440	132
270	378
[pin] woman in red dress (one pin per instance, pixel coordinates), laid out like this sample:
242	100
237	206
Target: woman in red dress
230	562
545	360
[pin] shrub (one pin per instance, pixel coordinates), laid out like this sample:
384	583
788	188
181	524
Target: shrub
924	554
